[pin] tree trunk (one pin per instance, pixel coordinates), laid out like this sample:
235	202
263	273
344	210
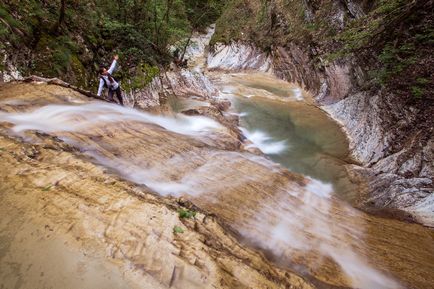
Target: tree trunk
61	17
186	45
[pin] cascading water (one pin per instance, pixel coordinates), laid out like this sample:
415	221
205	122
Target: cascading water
57	118
297	220
289	219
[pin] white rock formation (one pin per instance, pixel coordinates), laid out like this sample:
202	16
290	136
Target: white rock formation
238	56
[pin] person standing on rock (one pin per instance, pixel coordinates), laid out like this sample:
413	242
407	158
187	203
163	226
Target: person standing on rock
107	80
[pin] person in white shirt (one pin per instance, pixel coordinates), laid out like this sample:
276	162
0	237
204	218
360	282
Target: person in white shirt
107	80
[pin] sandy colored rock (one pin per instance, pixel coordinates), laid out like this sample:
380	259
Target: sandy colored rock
56	202
104	178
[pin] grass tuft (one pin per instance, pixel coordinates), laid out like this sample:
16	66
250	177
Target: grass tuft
186	214
178	230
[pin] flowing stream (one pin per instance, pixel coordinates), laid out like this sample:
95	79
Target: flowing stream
279	119
294	227
299	220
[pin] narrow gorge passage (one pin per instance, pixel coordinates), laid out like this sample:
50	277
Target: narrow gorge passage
315	232
279	119
295	220
298	220
217	144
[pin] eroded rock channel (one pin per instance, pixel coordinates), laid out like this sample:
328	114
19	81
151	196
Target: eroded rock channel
90	194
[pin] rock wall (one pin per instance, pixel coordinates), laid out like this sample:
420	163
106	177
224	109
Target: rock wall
9	72
188	82
238	56
181	83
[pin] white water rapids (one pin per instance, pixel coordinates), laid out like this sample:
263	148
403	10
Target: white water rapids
291	223
265	142
52	118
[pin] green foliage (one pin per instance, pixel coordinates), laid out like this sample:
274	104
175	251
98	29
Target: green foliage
125	38
330	57
265	23
312	26
234	23
374	28
72	47
144	74
426	37
178	230
396	35
202	13
417	91
394	61
55	55
9	28
422	80
186	214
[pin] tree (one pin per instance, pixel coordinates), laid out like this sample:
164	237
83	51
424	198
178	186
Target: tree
56	28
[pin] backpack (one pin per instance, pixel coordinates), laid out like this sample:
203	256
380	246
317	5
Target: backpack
105	82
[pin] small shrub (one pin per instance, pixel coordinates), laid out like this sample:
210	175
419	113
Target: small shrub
186	214
422	81
395	60
312	26
417	91
178	230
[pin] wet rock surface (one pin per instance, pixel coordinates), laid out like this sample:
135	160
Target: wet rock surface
99	229
97	179
230	121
